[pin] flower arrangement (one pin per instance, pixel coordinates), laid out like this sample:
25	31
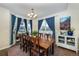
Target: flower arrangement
70	31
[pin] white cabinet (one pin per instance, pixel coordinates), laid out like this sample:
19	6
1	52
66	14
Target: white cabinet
69	42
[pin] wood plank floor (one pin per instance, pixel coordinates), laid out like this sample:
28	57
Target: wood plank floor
58	51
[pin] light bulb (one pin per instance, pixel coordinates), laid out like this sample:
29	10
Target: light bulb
35	15
28	14
32	13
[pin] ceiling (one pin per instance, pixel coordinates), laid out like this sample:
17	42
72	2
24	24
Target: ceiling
42	9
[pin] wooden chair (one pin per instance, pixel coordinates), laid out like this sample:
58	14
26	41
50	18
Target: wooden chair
18	36
35	48
27	43
40	35
21	42
47	36
24	43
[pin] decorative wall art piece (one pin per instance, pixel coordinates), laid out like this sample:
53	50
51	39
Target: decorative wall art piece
65	22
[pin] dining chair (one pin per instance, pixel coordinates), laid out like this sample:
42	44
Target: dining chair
24	43
50	38
27	43
40	35
35	48
18	38
21	41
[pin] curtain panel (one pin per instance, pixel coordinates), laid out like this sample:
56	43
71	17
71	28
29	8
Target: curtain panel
31	25
18	24
39	24
13	19
51	23
25	21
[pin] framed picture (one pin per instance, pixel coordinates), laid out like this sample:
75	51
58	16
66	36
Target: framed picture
65	22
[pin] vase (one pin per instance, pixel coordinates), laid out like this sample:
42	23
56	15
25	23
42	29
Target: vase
70	33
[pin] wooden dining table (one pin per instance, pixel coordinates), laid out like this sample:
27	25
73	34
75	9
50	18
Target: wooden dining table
45	44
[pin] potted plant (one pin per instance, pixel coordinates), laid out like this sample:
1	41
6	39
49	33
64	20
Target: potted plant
34	33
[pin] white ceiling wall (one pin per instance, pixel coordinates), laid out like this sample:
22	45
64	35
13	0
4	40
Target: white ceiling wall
42	9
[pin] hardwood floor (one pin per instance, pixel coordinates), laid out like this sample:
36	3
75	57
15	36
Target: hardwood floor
58	51
4	52
16	51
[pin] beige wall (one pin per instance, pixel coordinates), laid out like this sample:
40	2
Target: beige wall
4	28
74	11
35	24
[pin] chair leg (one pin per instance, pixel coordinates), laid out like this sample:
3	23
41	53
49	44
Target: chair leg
26	50
47	52
23	48
30	51
20	46
26	46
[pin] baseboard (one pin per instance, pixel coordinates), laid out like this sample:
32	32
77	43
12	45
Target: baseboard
7	47
4	48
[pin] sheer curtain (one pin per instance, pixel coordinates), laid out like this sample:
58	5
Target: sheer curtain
22	28
28	27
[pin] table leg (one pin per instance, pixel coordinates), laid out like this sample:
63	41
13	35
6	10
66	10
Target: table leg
47	52
52	48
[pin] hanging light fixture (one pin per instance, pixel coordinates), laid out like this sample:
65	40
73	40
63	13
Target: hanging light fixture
32	14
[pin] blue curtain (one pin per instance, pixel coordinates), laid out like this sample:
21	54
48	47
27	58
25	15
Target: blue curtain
25	21
31	25
13	19
39	24
51	23
18	24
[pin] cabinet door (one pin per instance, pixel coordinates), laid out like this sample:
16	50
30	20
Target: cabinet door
61	39
70	41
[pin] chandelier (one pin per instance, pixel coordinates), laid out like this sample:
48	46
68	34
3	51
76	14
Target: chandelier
32	14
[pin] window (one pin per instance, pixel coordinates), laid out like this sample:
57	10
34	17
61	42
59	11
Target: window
44	26
22	27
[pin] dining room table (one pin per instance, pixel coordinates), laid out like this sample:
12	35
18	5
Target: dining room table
45	44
